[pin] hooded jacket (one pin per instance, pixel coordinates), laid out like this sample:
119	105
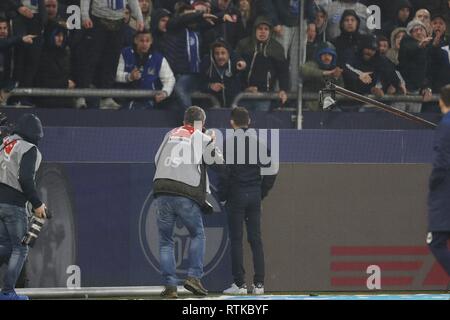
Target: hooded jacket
336	11
394	22
383	71
321	32
157	15
266	62
414	64
54	67
392	53
312	72
347	44
227	75
20	159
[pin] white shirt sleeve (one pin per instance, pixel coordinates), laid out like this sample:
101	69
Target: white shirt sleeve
121	75
167	77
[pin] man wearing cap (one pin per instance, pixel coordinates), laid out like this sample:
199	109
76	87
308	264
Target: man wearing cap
19	161
413	62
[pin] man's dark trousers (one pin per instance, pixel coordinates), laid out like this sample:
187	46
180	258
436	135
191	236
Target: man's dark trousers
245	206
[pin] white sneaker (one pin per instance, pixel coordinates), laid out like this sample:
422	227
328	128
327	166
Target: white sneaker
80	103
258	289
109	103
234	289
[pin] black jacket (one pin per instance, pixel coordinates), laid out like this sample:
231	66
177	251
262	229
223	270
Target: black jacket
54	69
383	70
440	65
229	31
6	46
173	45
228	75
439	183
9	7
347	43
266	62
414	64
393	22
246	177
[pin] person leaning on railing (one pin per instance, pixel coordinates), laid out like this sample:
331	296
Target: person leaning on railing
266	63
7	44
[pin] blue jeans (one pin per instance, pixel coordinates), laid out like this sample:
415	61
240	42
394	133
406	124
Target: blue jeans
13	227
186	84
169	209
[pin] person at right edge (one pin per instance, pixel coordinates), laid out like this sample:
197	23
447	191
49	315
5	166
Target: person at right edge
439	194
242	187
19	161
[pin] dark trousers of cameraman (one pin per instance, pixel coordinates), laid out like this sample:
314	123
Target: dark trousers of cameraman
28	55
245	207
99	54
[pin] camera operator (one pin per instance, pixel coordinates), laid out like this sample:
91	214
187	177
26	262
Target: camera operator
19	161
180	187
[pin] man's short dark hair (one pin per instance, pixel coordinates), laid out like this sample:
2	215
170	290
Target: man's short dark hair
4	20
193	114
145	31
240	117
445	95
382	38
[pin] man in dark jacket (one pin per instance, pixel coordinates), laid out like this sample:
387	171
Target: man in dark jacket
55	68
266	63
19	161
414	64
370	72
179	39
347	44
31	19
243	186
7	43
402	15
438	199
439	54
231	21
221	73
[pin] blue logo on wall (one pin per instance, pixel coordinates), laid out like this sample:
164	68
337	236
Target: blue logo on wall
215	231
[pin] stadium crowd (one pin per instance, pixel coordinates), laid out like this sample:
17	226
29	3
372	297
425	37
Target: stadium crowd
221	47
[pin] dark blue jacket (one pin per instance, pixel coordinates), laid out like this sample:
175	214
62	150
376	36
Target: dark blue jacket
246	177
173	43
439	195
6	54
